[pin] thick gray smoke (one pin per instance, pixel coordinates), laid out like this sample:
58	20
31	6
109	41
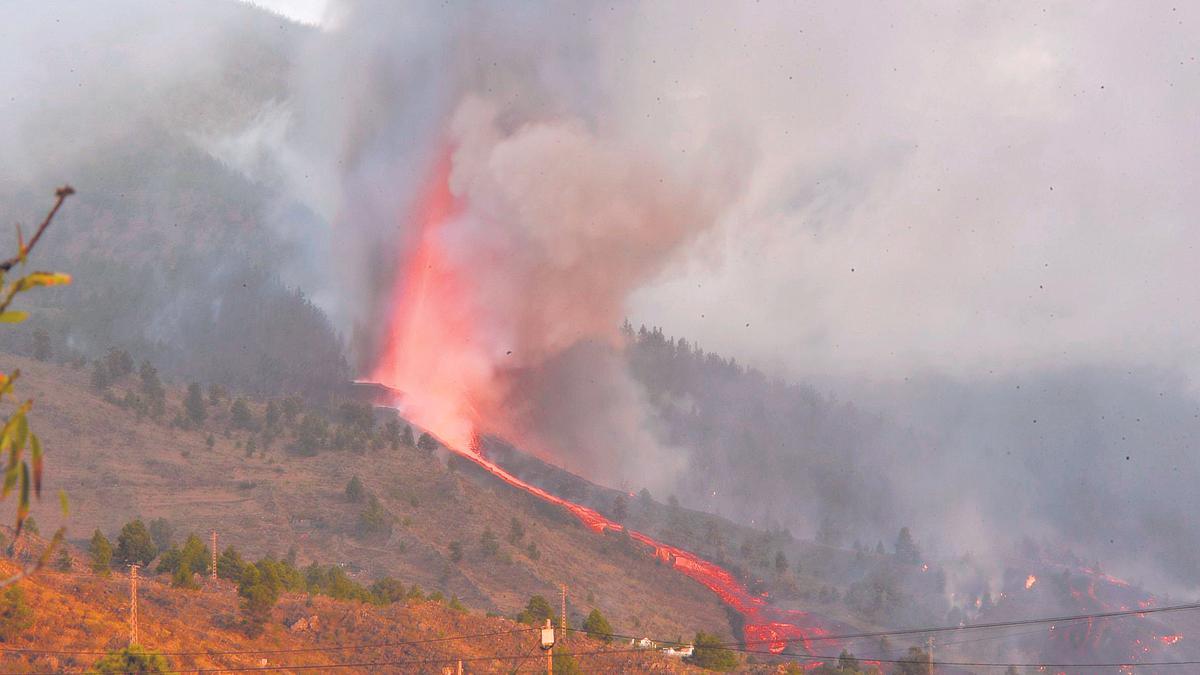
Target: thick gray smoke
973	220
955	195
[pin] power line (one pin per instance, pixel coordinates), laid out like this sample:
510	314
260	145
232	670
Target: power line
611	652
293	650
941	629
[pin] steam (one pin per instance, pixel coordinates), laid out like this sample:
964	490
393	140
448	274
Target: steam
978	221
880	214
554	227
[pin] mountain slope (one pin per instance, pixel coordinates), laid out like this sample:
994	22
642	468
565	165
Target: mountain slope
78	616
115	467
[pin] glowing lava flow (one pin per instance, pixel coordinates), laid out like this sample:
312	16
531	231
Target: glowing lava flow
764	624
435	357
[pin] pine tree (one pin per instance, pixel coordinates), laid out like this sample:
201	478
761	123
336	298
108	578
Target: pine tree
134	544
230	565
100	552
271	418
100	377
355	492
391	434
427	443
193	404
153	393
240	415
597	626
620	509
161	532
906	548
258	598
489	543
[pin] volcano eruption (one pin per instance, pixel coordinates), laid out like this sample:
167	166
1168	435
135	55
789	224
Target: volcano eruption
436	358
450	374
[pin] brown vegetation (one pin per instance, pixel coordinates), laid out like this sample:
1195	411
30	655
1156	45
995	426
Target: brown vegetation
79	616
115	467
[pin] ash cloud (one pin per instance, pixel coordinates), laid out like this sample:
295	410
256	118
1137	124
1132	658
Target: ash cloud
918	209
949	195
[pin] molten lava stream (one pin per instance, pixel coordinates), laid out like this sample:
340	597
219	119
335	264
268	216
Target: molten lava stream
773	627
433	355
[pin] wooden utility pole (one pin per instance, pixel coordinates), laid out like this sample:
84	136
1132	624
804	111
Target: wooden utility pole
213	569
548	646
133	614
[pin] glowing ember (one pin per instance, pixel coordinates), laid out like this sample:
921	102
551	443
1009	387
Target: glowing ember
1030	581
1170	639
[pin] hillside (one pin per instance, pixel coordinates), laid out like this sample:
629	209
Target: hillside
78	616
116	467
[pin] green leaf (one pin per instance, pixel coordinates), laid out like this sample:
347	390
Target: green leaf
35	458
21	434
10	472
23	501
13	317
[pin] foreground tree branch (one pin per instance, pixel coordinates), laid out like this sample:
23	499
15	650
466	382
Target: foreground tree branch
23	472
61	195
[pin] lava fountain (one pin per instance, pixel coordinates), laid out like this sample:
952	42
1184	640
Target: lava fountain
436	358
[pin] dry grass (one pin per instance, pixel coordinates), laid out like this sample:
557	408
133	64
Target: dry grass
81	612
115	467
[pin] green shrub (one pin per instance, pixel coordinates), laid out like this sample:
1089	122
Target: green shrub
597	626
132	659
711	655
15	615
100	553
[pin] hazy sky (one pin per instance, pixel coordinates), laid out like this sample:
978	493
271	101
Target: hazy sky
967	188
307	11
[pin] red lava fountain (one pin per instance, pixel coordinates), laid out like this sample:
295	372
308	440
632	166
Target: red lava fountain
434	357
430	352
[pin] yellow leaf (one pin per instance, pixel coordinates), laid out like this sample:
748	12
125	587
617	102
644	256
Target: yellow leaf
43	279
13	317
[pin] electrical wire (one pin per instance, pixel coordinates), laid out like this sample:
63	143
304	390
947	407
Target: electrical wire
941	629
610	652
293	650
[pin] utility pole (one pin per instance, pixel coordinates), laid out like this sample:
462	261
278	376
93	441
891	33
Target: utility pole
213	568
562	618
548	646
133	614
930	643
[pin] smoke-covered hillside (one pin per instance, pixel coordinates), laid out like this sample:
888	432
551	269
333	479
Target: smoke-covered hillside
175	249
261	203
